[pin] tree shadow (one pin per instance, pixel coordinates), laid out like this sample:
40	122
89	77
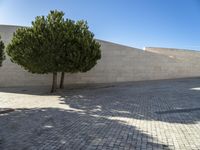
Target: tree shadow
171	101
103	116
51	128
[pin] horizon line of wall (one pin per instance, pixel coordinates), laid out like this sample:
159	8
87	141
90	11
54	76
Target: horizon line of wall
119	63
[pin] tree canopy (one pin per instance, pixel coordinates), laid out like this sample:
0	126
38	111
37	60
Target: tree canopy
37	48
81	51
2	54
54	44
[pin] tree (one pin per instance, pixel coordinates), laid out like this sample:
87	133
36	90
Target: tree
54	44
2	55
81	51
39	48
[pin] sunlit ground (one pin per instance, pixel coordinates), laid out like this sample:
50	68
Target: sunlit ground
144	115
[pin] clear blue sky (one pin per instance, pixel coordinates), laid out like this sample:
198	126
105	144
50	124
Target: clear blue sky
137	23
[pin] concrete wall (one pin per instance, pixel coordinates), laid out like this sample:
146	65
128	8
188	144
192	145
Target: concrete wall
119	63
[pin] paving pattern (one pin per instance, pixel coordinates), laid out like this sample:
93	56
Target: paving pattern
153	115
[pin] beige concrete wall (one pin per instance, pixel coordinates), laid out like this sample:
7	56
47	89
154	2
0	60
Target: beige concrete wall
118	64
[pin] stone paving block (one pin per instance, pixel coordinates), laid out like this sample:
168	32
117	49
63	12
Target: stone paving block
156	115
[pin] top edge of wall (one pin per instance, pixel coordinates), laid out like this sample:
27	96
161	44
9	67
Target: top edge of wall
11	26
102	41
118	44
170	49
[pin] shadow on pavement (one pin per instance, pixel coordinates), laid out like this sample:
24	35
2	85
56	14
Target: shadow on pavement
102	117
63	129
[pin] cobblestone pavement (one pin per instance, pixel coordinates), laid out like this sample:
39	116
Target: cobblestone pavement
149	115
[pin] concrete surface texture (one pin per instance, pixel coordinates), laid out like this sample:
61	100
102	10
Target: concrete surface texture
152	115
118	64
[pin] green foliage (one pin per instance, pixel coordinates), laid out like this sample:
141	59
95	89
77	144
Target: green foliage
37	48
54	44
81	52
2	55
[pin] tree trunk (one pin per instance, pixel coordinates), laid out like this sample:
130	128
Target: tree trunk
62	80
54	83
